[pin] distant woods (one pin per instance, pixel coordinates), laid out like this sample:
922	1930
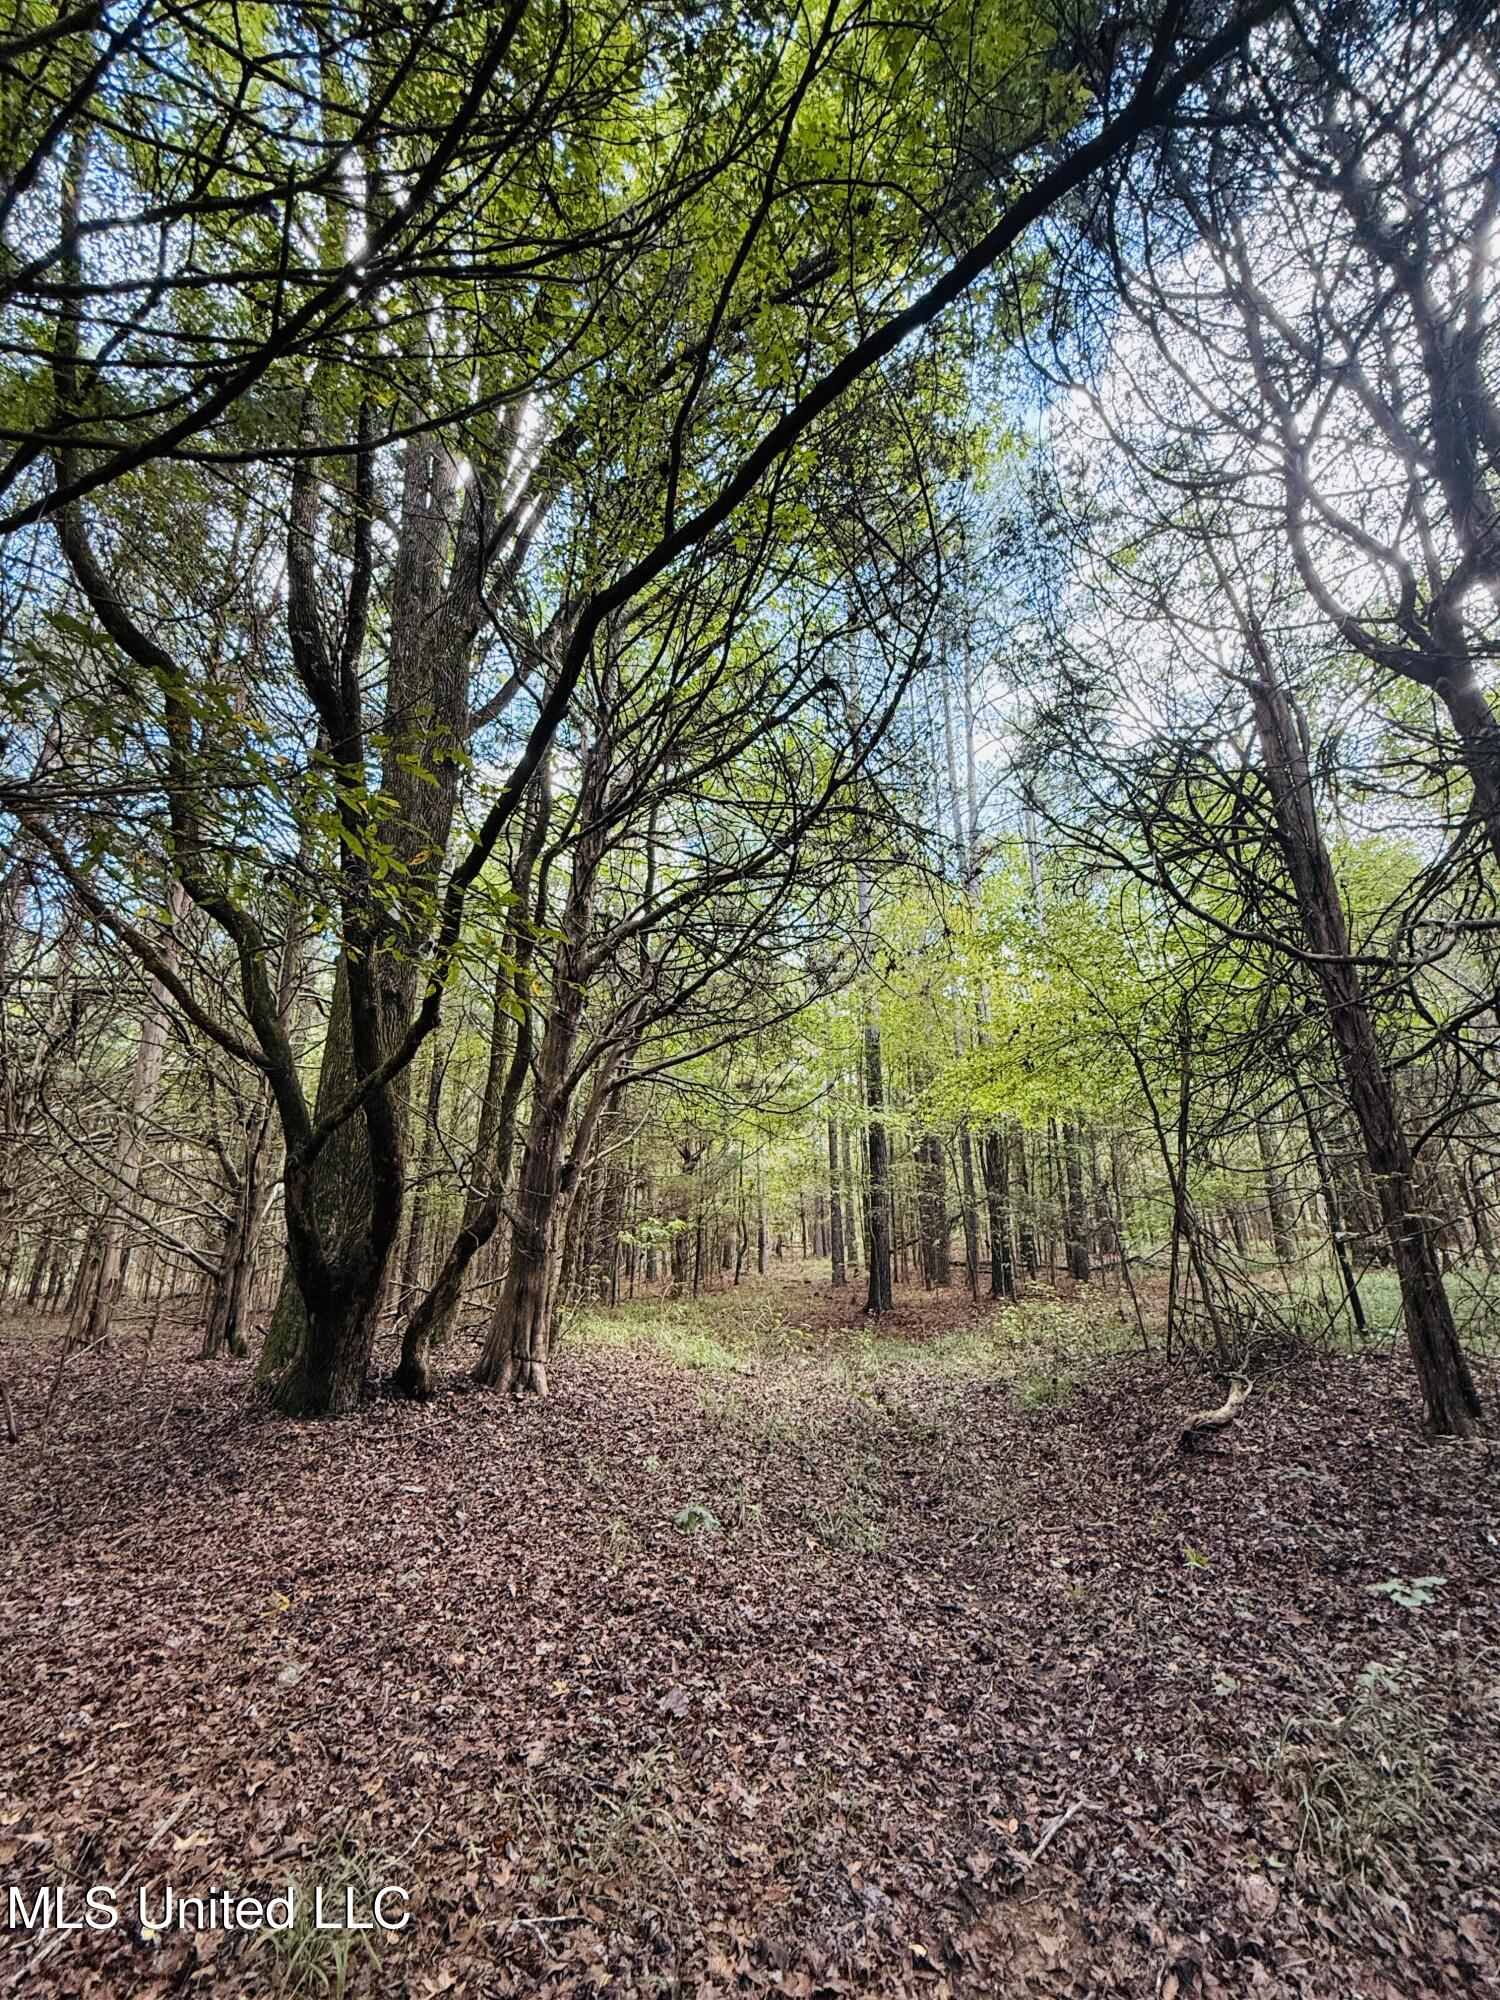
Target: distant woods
649	650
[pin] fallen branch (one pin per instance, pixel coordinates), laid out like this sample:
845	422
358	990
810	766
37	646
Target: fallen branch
1205	1421
1056	1826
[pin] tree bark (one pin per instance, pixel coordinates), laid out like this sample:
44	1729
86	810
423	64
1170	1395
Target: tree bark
519	1343
932	1213
315	1364
516	1352
226	1322
1448	1388
409	1282
27	1089
1026	1227
428	1326
970	1212
1479	734
349	1199
878	1155
1075	1210
997	1201
1338	1235
853	1232
840	1273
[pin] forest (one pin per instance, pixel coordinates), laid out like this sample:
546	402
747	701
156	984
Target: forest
749	1038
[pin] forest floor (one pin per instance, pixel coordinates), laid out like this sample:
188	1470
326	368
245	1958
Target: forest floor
765	1656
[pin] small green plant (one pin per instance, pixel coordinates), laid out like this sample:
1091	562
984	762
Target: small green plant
619	1540
696	1519
738	1501
1412	1593
1377	1678
313	1964
1362	1775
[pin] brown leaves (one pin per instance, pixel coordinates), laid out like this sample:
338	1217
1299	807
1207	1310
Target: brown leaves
938	1708
1259	1898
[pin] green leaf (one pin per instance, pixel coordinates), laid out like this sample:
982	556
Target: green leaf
1412	1593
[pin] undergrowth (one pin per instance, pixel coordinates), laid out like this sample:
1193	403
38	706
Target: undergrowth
595	1837
1376	1783
762	1374
309	1963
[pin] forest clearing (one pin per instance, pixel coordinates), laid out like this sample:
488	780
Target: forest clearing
771	1655
749	998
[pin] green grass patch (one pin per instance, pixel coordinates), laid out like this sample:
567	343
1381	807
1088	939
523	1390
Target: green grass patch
1322	1312
767	1378
719	1333
1360	1775
1044	1388
312	1964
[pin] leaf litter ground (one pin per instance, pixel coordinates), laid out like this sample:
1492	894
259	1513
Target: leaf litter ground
764	1656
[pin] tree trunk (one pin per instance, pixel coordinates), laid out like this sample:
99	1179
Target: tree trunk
409	1282
314	1363
997	1201
27	1091
1026	1228
1333	1212
516	1352
520	1338
1479	1210
1075	1210
428	1326
878	1299
1448	1389
853	1220
318	1352
970	1216
226	1322
840	1273
932	1213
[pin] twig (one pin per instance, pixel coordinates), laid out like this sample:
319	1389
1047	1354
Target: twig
1078	1806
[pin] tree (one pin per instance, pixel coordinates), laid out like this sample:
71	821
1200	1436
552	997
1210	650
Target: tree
1310	264
382	800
